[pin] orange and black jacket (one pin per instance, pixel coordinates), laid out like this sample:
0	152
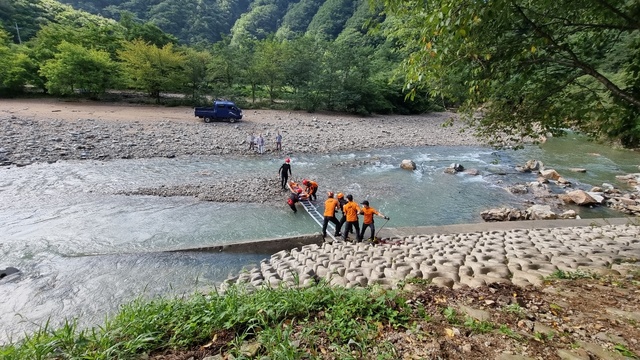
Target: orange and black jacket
368	214
351	210
330	207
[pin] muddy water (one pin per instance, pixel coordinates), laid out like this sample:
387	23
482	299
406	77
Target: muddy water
83	250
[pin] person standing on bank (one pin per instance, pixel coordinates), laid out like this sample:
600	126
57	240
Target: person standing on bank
367	222
260	142
330	207
284	172
293	199
342	202
351	210
311	189
278	141
252	140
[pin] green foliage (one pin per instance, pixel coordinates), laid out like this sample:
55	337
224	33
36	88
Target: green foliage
15	67
531	68
76	68
296	21
152	69
147	32
349	315
478	327
571	275
331	17
196	73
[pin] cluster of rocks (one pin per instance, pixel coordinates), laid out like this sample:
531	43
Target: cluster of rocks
607	195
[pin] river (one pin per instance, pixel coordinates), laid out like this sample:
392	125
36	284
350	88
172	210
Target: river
83	251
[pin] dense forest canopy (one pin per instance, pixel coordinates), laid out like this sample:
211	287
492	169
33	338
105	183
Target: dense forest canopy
517	67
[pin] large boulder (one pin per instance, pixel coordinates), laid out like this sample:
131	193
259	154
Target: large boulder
578	197
408	165
550	174
541	212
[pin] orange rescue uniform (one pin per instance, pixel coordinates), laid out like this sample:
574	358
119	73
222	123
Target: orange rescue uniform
330	207
351	210
368	213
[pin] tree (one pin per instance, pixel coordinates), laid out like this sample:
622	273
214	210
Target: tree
14	67
196	72
75	67
150	68
225	68
268	64
531	67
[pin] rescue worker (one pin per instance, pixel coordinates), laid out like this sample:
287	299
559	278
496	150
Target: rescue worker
330	207
367	222
293	199
311	189
284	172
351	209
343	219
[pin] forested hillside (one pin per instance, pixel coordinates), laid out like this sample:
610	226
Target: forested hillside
195	21
529	68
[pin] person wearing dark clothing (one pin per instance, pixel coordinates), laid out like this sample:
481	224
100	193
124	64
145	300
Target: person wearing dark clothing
341	202
284	172
293	199
351	210
330	207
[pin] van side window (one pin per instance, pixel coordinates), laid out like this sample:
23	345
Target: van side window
221	106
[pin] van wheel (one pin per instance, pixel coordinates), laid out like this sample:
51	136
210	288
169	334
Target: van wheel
232	120
207	119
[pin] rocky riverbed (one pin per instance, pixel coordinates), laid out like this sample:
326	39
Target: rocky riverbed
48	131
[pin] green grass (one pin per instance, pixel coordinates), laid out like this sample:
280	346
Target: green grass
571	275
348	318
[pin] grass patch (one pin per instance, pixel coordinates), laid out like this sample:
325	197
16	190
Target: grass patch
343	316
505	330
571	275
515	309
478	327
624	351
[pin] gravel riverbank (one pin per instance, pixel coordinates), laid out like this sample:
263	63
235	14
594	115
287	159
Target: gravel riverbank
48	131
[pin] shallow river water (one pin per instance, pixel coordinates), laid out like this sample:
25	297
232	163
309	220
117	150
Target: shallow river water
83	251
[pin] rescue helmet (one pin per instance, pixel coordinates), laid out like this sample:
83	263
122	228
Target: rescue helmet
350	197
299	191
287	160
340	195
330	194
305	182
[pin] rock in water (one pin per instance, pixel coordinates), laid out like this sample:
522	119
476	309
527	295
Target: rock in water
408	165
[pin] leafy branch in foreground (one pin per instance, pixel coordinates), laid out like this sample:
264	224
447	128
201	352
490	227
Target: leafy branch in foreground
527	68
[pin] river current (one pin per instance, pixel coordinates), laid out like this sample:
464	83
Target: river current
84	251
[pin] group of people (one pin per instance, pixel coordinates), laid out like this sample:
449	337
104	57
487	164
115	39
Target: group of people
349	208
350	211
258	142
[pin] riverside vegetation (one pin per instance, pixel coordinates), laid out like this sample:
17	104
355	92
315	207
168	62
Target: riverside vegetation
571	314
526	68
